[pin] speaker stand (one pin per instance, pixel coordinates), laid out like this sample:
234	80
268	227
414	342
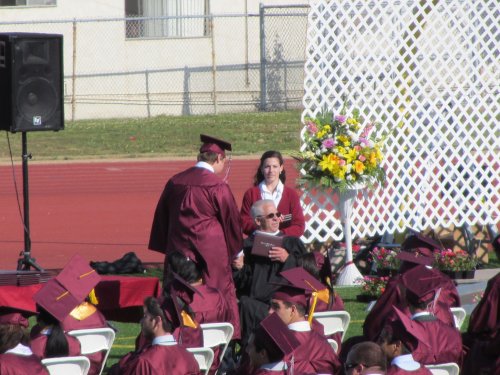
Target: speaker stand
25	262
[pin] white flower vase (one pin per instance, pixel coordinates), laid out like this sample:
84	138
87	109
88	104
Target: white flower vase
349	274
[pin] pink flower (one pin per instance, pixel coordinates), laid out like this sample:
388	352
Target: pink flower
328	143
341	162
312	127
340	118
361	158
367	130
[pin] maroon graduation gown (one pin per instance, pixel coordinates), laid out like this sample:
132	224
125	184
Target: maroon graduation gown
289	204
314	354
395	370
197	215
444	343
39	342
13	364
382	310
159	360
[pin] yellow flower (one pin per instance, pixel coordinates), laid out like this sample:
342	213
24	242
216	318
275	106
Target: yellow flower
345	140
349	155
359	167
329	162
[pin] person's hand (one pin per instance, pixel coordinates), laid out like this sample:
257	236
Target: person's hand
238	262
278	254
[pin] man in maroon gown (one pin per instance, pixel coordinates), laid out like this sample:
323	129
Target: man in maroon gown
399	338
416	251
163	355
314	355
198	216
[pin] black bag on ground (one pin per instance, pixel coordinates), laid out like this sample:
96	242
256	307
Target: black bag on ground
129	263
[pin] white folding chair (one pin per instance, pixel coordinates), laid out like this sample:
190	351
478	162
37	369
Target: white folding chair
217	334
204	357
79	365
334	321
334	345
94	340
444	369
459	315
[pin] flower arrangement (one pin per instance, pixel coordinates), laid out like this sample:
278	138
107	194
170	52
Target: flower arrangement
385	258
459	260
340	152
373	285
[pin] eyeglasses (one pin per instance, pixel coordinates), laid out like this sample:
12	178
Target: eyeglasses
271	215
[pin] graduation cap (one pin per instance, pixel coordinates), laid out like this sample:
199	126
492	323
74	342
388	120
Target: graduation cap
211	144
301	279
14	316
275	337
417	242
421	285
415	257
410	332
67	290
182	294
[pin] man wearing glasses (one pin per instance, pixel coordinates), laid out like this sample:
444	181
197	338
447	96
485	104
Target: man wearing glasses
256	276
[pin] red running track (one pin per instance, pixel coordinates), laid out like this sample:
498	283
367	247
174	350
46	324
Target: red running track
100	210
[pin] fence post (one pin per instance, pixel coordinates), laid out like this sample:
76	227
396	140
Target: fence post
73	74
214	67
263	88
148	99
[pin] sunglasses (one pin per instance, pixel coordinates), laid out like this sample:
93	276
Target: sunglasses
272	215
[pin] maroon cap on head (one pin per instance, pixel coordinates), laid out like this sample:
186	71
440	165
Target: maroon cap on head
421	285
291	294
78	277
13	316
211	144
300	278
408	331
275	336
415	257
422	244
56	299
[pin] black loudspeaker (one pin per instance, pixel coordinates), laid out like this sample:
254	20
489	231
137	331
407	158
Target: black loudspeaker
31	82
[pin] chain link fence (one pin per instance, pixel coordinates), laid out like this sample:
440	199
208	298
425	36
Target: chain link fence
142	67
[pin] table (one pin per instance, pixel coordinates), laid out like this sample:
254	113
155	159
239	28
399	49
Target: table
120	297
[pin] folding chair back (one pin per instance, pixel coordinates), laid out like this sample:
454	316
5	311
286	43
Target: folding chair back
79	365
459	315
444	369
94	340
334	345
204	357
334	321
217	334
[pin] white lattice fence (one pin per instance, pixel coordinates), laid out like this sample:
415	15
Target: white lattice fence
428	71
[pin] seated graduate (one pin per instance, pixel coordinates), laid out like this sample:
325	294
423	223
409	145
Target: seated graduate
482	339
268	346
80	280
290	303
163	355
16	357
399	338
365	358
256	276
207	304
416	251
443	342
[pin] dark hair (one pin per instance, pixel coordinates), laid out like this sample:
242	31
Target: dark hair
387	336
308	262
369	354
262	342
259	176
153	307
184	267
496	245
57	343
209	157
11	335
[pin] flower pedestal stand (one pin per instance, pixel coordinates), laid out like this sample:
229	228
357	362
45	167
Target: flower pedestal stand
349	274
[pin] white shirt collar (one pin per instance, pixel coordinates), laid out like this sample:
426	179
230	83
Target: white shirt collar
20	349
302	326
275	196
274	366
205	165
164	340
268	233
406	362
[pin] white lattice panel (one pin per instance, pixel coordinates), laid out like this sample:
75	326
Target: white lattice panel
428	70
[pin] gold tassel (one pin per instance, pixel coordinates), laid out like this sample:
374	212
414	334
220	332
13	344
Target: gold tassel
313	307
187	320
93	298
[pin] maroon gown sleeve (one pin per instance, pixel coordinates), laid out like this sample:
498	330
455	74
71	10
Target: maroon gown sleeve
247	223
290	204
229	218
159	227
485	319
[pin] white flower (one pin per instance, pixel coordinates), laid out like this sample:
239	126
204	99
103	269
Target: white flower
354	137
